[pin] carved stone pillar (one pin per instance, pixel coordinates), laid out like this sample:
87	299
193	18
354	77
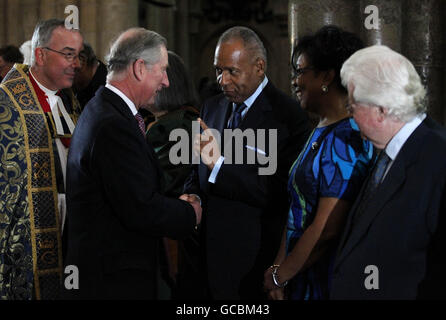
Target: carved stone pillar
3	28
423	43
308	16
30	18
89	21
48	9
182	29
389	26
14	31
115	16
162	20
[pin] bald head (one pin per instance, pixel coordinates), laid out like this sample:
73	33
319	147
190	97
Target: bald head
250	40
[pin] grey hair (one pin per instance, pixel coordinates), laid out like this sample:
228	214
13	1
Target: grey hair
250	40
26	50
42	35
140	43
383	77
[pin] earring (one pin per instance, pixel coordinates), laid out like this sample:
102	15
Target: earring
324	88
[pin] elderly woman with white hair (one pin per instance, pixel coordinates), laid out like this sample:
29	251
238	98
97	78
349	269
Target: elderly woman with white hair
393	243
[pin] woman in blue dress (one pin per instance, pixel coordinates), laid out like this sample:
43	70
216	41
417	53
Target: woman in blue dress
327	175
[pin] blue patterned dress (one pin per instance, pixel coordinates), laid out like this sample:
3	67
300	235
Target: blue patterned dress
334	167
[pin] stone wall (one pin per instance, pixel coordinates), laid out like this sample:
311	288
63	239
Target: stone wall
415	28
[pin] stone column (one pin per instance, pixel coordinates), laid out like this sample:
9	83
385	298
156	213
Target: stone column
30	9
162	20
89	21
308	16
115	16
423	40
182	30
48	9
3	27
389	26
13	17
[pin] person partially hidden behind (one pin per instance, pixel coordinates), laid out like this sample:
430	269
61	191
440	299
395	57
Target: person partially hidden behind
176	107
9	55
116	209
91	75
394	241
327	175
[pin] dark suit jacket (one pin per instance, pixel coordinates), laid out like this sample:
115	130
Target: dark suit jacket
115	210
245	212
402	230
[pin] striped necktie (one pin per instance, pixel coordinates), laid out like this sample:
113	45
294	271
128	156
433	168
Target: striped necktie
141	123
236	118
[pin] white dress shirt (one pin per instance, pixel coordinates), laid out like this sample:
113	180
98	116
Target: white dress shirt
248	102
399	139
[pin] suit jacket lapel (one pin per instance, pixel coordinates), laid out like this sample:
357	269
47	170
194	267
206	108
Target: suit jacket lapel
394	179
116	101
256	114
219	119
119	104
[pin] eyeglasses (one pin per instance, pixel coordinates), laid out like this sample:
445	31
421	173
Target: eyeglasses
69	56
300	71
349	108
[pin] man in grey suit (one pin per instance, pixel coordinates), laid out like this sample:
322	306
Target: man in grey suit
394	240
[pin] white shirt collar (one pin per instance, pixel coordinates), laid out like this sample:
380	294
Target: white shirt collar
248	102
47	91
398	140
129	102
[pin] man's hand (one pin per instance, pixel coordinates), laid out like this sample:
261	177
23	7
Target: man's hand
207	146
194	201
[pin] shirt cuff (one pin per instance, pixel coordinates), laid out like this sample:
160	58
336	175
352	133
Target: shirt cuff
216	169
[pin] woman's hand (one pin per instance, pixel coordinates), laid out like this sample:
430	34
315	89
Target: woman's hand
277	294
268	283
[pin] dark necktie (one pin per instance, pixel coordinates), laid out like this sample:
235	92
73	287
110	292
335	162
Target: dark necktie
375	179
236	117
141	123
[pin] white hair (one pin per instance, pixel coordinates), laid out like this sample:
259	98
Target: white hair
25	49
385	78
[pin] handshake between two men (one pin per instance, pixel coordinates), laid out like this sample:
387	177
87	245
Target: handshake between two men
207	147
